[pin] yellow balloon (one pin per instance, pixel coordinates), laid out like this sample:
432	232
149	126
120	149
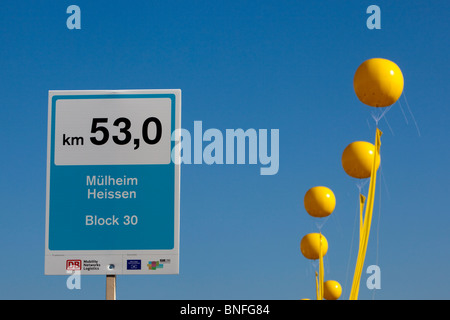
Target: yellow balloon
357	159
378	82
319	202
332	290
310	245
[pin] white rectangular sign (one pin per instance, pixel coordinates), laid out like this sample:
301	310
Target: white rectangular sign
112	185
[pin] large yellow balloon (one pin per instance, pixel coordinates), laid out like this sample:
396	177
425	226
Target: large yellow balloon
378	82
319	202
357	159
332	290
310	245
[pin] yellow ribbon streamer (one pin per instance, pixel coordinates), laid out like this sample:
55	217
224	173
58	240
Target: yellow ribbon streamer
320	275
317	288
321	270
362	199
364	236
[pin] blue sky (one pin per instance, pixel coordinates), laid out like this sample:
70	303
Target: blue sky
284	65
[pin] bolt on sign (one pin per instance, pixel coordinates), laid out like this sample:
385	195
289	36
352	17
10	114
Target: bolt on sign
113	183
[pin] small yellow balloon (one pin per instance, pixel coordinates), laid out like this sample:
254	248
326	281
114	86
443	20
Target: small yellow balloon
310	245
319	202
332	290
357	159
378	82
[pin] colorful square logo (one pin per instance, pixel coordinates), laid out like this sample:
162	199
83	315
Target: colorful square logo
153	265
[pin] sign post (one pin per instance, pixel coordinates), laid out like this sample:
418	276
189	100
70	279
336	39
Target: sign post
113	182
111	287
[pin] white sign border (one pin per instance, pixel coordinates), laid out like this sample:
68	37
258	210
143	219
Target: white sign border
53	258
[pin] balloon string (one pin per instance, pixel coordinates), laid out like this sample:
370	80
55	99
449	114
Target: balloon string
412	115
377	116
361	183
366	223
410	112
403	112
321	222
